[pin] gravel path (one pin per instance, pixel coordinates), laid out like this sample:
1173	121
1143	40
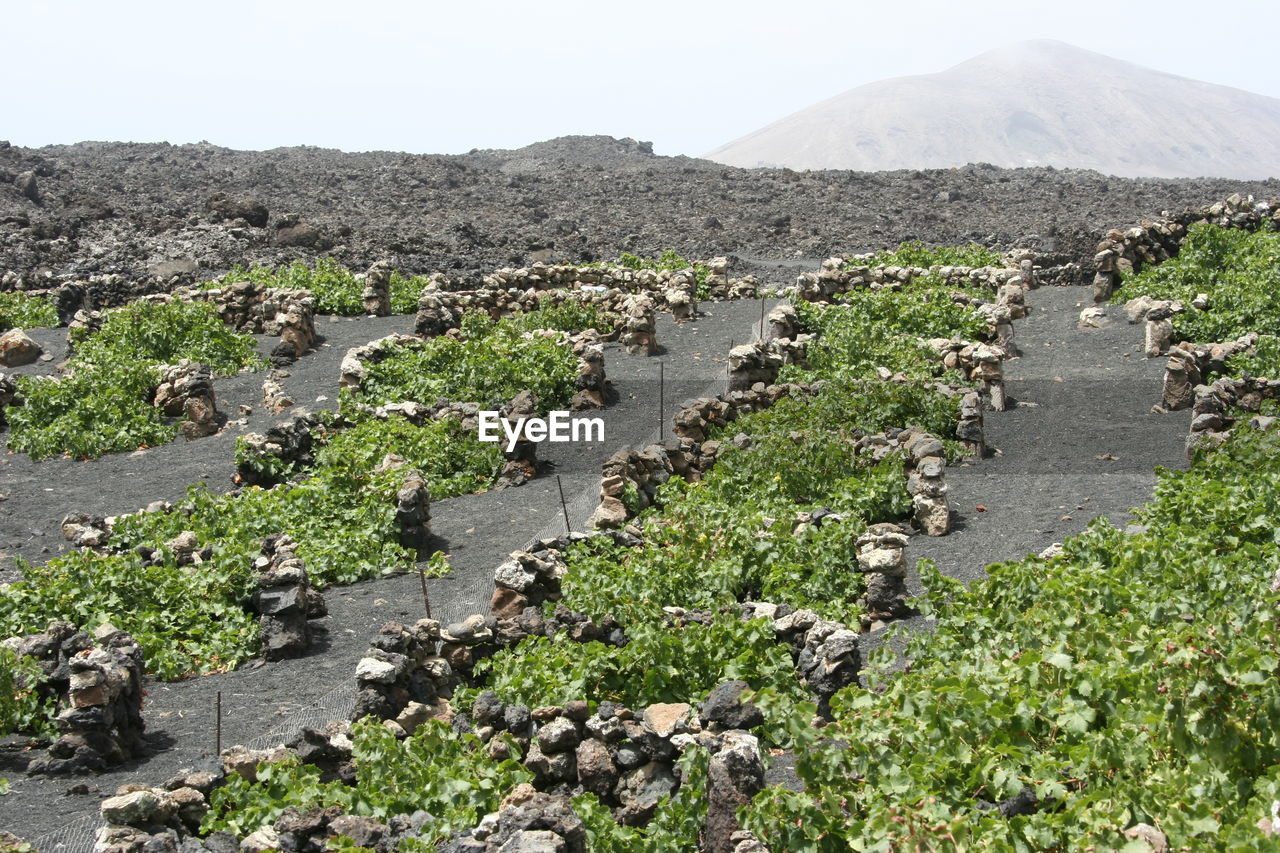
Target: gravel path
267	704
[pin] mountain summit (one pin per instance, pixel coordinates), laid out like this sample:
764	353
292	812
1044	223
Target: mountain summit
1035	103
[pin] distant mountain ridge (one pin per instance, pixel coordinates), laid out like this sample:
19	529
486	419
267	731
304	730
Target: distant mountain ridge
1035	103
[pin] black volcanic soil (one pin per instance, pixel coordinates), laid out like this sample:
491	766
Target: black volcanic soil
142	211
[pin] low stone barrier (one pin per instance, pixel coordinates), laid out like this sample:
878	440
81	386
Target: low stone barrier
87	531
1216	409
1190	365
696	419
825	652
263	459
639	333
719	285
403	679
761	362
841	274
376	296
257	309
96	683
284	600
186	391
630	478
982	363
1128	250
634	315
626	757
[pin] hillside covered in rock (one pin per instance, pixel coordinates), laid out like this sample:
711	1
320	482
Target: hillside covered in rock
132	217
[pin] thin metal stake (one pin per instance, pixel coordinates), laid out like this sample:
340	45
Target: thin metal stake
762	316
661	396
564	508
426	600
218	726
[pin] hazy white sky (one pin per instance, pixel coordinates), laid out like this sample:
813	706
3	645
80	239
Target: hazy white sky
445	77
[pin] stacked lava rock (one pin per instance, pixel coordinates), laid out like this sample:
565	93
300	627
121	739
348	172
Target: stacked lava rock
681	296
591	387
782	322
1217	409
67	299
86	319
1190	365
521	463
698	417
639	325
735	773
376	297
926	463
980	362
625	758
261	310
750	364
1013	295
186	390
437	314
274	397
630	480
97	684
969	429
881	557
825	652
284	600
528	822
841	274
718	278
139	818
759	363
352	370
263	460
578	627
1125	251
1157	317
528	579
413	509
292	320
86	531
403	679
999	320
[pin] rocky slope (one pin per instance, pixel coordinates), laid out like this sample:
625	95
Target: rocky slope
1034	103
142	216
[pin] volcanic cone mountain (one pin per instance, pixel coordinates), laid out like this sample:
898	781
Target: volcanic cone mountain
1035	103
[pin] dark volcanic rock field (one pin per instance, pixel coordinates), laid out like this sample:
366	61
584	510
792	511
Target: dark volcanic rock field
150	213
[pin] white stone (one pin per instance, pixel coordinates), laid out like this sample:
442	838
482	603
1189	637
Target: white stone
376	671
